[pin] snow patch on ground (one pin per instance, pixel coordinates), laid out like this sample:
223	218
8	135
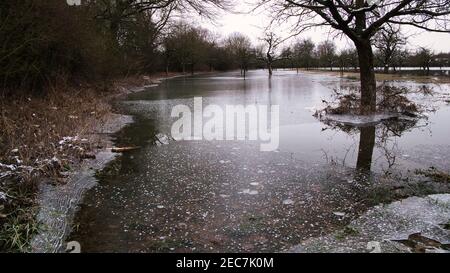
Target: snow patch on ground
391	228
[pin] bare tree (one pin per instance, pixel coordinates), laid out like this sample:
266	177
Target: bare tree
240	47
348	58
360	20
326	51
304	53
424	59
401	58
388	41
117	12
271	43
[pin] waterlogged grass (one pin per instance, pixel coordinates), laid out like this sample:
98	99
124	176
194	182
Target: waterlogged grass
435	175
16	234
19	223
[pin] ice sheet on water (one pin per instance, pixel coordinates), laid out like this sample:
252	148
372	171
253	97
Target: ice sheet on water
356	120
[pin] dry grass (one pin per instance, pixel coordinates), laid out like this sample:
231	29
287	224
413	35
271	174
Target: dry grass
32	136
33	127
390	99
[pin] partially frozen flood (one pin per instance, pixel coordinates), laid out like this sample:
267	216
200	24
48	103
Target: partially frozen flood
327	188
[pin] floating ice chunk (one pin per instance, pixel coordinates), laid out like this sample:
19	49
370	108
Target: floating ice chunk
224	196
250	192
288	202
254	184
15	151
224	161
260	171
160	206
340	214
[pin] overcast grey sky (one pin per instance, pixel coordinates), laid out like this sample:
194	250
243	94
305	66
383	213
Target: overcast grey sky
253	24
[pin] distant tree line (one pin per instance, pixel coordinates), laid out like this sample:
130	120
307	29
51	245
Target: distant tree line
390	56
43	41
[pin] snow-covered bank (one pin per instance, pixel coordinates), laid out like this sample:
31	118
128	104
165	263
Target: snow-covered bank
412	225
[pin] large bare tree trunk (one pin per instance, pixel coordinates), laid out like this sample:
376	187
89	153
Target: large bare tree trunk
368	81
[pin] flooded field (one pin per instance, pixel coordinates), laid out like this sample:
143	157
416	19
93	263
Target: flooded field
228	196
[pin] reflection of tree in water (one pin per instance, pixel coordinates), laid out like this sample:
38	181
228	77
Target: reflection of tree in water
366	146
392	100
383	136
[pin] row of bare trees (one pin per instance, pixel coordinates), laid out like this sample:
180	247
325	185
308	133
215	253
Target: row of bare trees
43	39
388	57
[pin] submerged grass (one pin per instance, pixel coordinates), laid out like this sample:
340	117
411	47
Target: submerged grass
19	223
